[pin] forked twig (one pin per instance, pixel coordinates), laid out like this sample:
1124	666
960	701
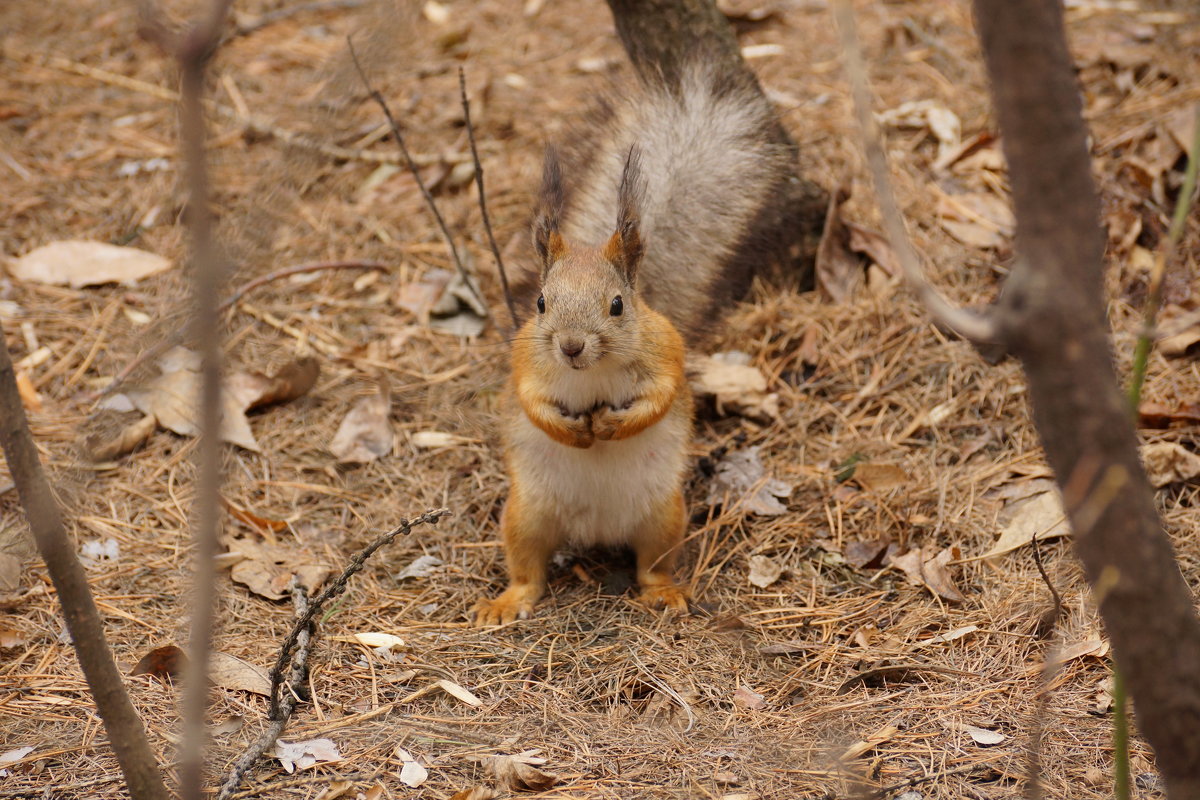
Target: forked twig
377	96
277	721
972	326
483	210
294	652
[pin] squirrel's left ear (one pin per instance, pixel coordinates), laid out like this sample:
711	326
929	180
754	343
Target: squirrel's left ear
624	248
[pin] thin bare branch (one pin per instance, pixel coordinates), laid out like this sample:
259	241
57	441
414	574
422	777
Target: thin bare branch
972	326
483	210
121	721
192	48
375	95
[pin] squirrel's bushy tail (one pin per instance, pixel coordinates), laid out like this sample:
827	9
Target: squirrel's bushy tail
711	165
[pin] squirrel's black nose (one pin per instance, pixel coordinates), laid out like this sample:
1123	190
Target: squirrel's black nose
571	347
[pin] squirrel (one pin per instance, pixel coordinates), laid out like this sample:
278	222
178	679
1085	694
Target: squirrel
641	252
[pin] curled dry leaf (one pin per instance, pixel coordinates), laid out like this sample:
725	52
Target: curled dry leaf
166	662
1169	462
453	689
864	746
376	639
430	439
867	554
1160	415
419	568
106	448
984	736
78	263
302	755
252	390
520	773
764	571
11	638
740	476
413	774
366	432
736	386
30	399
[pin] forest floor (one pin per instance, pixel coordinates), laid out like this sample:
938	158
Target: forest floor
815	662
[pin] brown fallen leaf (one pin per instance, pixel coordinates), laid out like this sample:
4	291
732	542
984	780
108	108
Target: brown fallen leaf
475	793
231	672
267	570
173	398
764	571
1161	415
745	697
923	567
1040	515
741	478
100	448
976	219
365	434
252	390
875	246
1169	462
839	271
166	662
866	554
10	572
735	385
77	264
11	638
875	477
521	773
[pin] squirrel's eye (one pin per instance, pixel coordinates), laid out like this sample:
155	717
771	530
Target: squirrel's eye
617	307
541	304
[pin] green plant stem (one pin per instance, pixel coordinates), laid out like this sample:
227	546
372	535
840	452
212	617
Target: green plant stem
1183	206
1122	787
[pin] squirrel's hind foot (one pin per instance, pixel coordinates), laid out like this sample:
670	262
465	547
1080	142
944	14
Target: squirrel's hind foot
513	604
666	595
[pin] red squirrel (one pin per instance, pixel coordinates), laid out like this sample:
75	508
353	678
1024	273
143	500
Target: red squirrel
642	248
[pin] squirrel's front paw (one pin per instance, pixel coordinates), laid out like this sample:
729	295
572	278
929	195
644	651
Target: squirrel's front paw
580	427
606	421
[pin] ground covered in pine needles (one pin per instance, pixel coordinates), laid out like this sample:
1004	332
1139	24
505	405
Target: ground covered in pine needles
816	661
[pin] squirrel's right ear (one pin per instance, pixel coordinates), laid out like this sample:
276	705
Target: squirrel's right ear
546	238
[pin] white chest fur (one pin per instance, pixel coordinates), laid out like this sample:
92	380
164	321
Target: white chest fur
601	494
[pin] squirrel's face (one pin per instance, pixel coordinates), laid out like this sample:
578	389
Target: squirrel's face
586	312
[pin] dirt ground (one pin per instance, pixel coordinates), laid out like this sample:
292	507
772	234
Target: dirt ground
840	674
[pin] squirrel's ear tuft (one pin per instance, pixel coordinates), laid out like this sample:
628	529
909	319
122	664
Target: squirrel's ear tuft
625	248
547	241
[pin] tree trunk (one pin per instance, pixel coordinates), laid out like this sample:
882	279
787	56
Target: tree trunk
661	36
121	721
1052	318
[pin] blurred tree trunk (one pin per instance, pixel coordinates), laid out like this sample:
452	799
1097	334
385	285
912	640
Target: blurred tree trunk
661	37
1052	317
